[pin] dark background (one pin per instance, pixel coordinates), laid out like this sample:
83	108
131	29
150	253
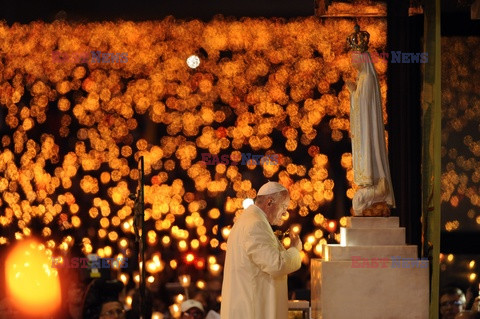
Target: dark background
25	11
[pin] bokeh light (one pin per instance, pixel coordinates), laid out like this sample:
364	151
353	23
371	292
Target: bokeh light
73	133
32	283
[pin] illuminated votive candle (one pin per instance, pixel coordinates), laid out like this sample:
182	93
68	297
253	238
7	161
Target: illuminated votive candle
175	311
31	282
296	228
184	280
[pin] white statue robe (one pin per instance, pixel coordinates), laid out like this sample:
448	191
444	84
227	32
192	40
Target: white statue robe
370	161
256	268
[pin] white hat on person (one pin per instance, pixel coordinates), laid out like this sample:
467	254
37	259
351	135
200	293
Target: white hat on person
271	188
189	304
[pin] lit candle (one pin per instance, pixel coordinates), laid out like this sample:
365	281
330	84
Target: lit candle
175	311
128	301
157	315
296	228
123	278
179	298
184	280
185	283
332	226
215	269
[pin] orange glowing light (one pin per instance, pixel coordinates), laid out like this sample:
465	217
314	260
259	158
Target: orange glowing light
200	264
189	258
332	226
105	122
31	282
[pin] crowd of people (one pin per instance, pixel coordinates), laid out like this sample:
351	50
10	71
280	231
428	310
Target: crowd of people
254	280
105	299
256	269
455	304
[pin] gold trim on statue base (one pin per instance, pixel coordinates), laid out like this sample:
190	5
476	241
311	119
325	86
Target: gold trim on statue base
377	210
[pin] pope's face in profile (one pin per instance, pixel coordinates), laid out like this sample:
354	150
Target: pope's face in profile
278	209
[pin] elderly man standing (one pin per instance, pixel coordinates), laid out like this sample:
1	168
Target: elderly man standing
257	264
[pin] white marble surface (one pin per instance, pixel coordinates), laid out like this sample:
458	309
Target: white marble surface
298	304
333	252
372	236
372	222
342	292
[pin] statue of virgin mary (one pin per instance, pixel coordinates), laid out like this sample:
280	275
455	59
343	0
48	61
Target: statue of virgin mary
371	171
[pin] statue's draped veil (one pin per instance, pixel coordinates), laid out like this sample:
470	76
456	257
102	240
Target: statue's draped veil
370	160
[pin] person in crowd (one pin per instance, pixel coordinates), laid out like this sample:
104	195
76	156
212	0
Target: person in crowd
472	296
467	315
8	309
464	315
452	301
74	299
135	311
205	299
256	263
192	309
102	300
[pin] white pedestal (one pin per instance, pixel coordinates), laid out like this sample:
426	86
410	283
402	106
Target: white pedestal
302	306
377	287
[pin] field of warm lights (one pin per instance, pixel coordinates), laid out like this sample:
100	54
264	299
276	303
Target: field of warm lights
460	126
72	133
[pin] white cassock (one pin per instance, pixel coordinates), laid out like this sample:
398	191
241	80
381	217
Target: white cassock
370	161
256	268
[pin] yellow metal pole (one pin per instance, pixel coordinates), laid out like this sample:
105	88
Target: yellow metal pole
431	156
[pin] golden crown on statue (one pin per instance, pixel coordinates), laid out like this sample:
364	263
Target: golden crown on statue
358	40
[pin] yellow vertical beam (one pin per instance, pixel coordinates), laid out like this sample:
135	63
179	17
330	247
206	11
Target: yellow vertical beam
431	156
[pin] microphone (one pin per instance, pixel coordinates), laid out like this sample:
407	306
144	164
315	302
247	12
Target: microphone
139	226
138	208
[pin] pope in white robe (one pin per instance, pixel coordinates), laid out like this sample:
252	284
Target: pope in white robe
371	170
257	264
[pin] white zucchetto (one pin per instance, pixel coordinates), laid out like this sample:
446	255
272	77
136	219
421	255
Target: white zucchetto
271	188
